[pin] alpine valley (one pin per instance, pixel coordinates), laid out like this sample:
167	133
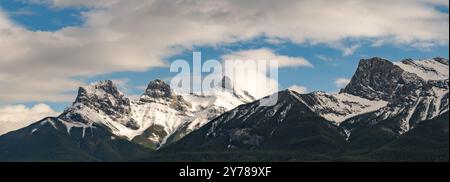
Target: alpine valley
390	111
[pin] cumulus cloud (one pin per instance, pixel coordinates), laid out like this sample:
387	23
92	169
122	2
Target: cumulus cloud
14	117
136	35
122	84
249	77
265	54
242	68
298	89
341	82
257	82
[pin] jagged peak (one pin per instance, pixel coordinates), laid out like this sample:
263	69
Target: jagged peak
373	61
158	88
160	92
226	83
99	89
157	82
98	97
378	78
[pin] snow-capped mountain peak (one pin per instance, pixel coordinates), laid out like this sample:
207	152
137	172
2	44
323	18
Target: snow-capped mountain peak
104	95
100	89
160	92
157	89
158	116
415	90
103	104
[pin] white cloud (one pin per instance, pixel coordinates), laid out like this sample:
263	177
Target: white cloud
256	83
268	55
141	87
23	12
135	35
122	84
298	89
259	83
18	116
350	50
323	57
341	82
346	50
3	76
240	67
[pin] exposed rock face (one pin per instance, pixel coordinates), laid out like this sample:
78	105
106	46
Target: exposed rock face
379	79
159	91
415	91
103	98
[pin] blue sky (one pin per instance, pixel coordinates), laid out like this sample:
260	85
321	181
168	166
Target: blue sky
42	18
329	61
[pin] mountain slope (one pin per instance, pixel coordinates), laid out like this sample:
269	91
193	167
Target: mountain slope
288	125
340	107
379	109
51	140
411	100
167	116
428	141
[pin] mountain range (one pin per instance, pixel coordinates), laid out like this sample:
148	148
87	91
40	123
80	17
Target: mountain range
390	111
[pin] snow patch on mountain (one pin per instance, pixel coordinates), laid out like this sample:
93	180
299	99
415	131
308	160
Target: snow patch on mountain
206	108
339	107
428	69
